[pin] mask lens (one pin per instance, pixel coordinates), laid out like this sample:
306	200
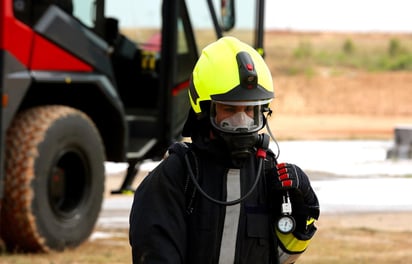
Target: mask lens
237	118
239	122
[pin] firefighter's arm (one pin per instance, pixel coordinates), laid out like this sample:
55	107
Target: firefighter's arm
305	211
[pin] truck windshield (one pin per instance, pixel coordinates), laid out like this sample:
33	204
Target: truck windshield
141	20
83	10
203	24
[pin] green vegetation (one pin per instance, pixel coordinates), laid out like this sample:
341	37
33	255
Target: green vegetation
395	57
338	52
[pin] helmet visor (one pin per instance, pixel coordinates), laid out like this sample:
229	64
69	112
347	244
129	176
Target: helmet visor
237	117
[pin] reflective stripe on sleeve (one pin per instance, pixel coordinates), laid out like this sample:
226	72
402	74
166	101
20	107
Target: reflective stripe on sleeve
285	258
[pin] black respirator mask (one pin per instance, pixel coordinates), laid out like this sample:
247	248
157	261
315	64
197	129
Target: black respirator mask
238	123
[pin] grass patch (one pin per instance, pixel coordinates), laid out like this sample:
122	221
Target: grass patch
307	52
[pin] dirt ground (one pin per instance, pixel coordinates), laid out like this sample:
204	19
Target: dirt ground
362	238
353	106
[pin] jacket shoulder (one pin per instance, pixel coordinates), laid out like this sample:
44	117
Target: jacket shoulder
179	148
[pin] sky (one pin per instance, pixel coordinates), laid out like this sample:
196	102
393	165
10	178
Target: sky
332	15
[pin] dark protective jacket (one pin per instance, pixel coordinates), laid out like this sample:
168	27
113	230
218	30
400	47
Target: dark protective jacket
163	231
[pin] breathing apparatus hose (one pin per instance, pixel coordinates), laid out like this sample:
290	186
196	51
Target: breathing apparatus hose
261	154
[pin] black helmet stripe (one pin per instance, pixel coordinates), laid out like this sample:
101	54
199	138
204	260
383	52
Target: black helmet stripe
193	93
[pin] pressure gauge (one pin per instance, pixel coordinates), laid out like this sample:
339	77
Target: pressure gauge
286	224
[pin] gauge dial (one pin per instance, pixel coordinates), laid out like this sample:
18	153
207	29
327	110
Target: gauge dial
286	224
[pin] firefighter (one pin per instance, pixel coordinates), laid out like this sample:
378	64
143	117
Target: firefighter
223	198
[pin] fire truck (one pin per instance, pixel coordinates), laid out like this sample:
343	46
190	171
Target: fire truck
82	85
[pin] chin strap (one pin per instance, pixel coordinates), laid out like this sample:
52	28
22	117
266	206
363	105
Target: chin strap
263	145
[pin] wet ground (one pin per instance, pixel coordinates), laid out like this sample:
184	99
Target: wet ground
348	176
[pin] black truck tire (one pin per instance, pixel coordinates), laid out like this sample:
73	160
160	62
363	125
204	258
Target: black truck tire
54	184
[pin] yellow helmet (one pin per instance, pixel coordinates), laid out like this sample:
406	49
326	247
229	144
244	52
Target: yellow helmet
229	70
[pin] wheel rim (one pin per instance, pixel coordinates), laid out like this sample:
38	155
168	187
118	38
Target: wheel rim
68	183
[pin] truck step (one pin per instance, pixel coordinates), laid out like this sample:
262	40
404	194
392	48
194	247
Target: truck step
139	147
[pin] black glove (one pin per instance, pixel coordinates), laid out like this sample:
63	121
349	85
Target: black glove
290	177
